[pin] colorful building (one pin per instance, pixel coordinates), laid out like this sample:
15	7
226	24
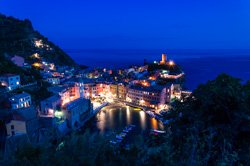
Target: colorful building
149	96
22	100
11	81
76	112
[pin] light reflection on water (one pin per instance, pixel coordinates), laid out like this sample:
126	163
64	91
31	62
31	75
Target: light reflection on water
143	120
116	117
128	117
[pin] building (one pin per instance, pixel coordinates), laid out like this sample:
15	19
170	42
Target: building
114	90
90	90
22	100
67	93
49	105
16	125
163	59
121	91
23	121
11	81
149	96
18	60
53	80
76	112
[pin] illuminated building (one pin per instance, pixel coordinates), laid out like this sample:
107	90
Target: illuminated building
49	105
21	100
10	81
163	59
113	90
121	92
90	90
67	93
152	96
77	112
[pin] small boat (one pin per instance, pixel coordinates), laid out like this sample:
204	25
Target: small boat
158	131
123	134
137	109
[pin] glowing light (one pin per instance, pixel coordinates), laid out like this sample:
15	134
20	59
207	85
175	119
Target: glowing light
38	43
17	83
142	102
37	64
50	111
36	55
171	63
58	114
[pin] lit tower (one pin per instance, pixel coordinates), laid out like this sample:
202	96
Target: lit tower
163	59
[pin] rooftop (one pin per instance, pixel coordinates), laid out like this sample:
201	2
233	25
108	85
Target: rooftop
21	95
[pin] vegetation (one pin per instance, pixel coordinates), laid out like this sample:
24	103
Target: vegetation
17	37
173	69
211	127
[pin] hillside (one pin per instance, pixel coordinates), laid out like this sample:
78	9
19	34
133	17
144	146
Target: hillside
17	37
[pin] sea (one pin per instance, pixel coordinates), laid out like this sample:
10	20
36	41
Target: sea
199	66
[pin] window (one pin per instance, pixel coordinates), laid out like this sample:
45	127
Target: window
12	127
12	132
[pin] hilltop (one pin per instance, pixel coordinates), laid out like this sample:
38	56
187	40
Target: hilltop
18	37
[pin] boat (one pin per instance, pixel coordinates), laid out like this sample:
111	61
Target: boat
123	134
137	109
158	131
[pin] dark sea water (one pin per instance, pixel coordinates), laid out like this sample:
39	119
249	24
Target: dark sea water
198	65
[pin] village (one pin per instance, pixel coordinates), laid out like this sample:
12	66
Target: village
76	95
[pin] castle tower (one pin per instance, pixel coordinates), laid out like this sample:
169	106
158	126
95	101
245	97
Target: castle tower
163	59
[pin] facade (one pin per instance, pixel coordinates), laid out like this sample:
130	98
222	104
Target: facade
16	126
18	60
90	90
121	92
49	105
67	93
53	80
80	88
22	100
11	81
152	96
23	121
77	112
113	90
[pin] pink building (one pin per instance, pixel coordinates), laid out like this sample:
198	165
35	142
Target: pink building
19	61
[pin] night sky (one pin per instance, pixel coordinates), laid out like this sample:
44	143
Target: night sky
141	24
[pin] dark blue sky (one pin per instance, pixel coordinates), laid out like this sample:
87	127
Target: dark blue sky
141	24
